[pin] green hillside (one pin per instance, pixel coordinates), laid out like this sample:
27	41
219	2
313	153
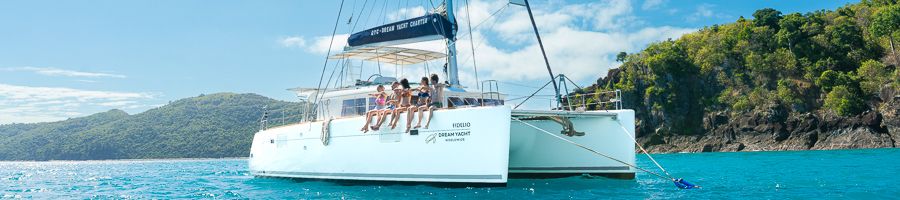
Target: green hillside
208	126
832	64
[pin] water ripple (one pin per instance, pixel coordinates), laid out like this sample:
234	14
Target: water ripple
854	174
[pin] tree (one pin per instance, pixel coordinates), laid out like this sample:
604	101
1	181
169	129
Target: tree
621	57
831	79
886	22
790	31
767	17
843	101
873	75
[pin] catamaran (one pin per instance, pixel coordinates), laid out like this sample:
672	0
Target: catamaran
476	139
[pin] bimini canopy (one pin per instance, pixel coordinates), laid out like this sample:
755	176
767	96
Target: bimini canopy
392	55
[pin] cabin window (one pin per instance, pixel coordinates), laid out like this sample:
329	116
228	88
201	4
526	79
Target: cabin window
372	104
492	102
472	102
459	102
353	107
455	102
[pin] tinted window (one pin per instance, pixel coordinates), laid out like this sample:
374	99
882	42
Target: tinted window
347	107
353	107
455	102
372	103
472	101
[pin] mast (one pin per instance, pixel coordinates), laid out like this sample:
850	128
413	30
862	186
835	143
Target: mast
452	72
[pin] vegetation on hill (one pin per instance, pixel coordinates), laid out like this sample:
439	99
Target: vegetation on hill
840	63
207	126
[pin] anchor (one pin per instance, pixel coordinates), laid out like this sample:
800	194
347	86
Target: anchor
568	128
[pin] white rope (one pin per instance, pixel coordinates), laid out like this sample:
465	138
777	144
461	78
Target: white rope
642	148
591	150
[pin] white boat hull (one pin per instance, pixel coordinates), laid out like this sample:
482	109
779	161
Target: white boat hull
536	154
467	145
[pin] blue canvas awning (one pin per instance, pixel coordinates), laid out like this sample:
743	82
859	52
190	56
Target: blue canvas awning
424	28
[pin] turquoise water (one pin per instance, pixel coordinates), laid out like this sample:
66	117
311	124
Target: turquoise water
855	174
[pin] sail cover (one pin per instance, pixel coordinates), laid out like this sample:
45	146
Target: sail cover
424	28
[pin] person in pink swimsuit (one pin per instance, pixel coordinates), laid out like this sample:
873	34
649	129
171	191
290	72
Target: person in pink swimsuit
380	101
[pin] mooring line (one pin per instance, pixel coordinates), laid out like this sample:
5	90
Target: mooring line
592	150
642	149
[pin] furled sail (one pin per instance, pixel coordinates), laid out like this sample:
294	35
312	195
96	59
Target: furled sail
419	29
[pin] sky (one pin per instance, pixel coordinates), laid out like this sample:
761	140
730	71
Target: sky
65	59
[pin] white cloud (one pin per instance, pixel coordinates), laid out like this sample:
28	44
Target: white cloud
26	104
706	11
318	45
294	41
117	103
581	39
652	4
406	13
50	71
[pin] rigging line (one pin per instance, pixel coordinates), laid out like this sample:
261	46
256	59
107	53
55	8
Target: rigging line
481	42
341	76
432	5
488	18
371	10
330	77
532	94
592	150
333	32
384	12
361	10
472	43
351	12
520	85
644	150
573	82
399	5
328	83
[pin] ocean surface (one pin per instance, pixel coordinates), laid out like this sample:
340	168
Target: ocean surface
854	174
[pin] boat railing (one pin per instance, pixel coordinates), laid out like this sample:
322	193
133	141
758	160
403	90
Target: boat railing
490	93
600	100
267	120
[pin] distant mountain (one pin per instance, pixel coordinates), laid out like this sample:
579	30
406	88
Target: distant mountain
207	126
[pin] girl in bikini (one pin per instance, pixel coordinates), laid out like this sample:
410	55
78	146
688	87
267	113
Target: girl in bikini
423	104
380	103
403	102
391	104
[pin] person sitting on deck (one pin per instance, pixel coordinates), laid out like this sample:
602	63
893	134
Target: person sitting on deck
380	104
422	104
437	95
391	105
403	103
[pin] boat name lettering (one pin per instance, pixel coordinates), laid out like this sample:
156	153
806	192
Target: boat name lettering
399	26
454	134
462	125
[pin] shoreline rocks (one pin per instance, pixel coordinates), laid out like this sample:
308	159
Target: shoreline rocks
773	131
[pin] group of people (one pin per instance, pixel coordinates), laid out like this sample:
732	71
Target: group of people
429	95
